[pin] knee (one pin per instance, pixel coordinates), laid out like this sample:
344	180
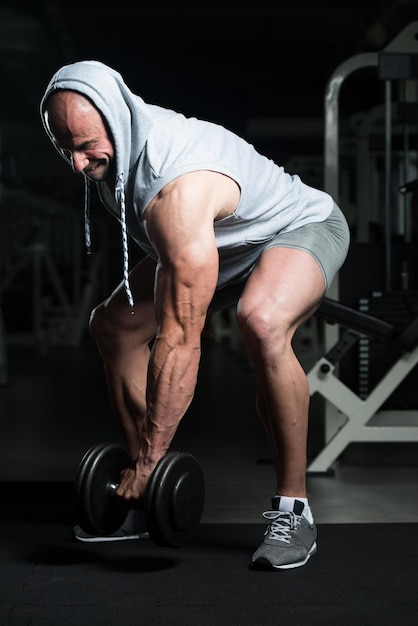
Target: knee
262	328
100	326
113	328
107	327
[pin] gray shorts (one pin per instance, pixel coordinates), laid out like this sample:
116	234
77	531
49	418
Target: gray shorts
327	242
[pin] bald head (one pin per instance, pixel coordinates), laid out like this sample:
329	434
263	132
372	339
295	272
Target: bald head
78	130
66	110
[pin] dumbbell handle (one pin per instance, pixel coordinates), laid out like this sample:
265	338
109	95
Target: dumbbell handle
113	487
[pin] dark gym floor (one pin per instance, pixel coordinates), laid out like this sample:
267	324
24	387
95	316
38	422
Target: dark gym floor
55	407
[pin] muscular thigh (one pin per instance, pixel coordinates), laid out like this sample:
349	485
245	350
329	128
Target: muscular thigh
287	283
297	267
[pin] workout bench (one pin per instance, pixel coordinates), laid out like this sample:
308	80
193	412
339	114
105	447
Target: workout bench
364	419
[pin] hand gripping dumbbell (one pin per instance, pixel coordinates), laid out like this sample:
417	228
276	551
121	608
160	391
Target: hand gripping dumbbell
172	504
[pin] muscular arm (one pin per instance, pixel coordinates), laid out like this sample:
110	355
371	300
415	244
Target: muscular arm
180	226
179	222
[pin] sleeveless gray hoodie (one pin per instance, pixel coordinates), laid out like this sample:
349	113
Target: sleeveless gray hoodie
154	145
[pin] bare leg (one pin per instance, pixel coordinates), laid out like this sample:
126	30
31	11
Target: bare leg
283	291
123	341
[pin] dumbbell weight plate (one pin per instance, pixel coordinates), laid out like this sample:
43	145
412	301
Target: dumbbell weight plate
97	510
82	471
174	499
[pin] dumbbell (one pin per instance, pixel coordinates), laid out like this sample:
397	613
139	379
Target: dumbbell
172	504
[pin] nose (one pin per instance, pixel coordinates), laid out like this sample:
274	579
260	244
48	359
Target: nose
78	162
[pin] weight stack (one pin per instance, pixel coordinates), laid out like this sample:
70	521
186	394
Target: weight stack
376	357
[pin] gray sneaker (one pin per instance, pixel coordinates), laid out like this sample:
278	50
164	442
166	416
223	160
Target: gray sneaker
289	540
134	527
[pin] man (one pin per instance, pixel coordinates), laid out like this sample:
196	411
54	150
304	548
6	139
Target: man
219	224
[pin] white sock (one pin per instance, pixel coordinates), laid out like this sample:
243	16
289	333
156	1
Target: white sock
287	504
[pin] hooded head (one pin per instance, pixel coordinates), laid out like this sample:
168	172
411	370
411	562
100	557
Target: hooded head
125	114
126	117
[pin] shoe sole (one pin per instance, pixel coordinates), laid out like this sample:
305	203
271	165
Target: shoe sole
264	564
106	539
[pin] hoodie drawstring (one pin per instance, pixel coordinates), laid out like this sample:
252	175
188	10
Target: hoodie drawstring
87	234
120	198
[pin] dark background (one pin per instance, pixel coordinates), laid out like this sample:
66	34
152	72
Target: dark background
259	69
230	63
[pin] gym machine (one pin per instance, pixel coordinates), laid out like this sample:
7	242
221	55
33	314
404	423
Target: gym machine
349	417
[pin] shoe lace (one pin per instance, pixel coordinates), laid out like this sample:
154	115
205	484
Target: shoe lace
281	524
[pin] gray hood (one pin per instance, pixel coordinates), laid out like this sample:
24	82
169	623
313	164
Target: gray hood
129	120
128	117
